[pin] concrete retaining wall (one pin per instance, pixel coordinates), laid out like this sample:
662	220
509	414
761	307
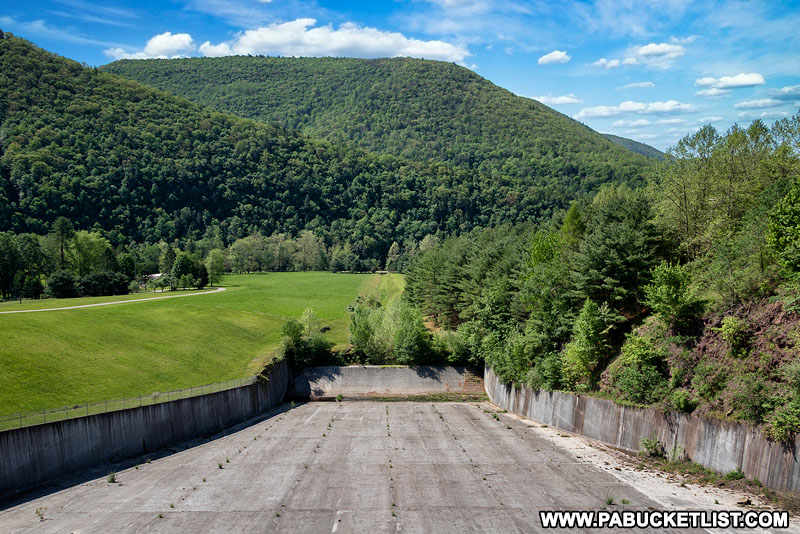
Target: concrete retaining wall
33	455
719	445
374	381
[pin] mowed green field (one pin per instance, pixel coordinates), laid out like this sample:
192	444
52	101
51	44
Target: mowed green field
63	358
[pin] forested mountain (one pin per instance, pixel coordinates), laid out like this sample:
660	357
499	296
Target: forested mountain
635	146
140	165
423	110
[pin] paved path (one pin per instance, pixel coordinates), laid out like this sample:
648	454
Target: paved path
349	467
118	302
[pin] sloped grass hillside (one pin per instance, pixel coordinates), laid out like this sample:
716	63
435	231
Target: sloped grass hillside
60	358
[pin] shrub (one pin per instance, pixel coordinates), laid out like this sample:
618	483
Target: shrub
391	335
304	351
670	296
546	374
651	446
751	398
104	283
736	474
786	421
791	373
709	380
62	284
737	333
682	401
583	355
639	373
452	347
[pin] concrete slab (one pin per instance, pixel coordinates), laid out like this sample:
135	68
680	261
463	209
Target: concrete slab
340	468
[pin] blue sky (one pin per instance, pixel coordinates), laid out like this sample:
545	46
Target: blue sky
649	70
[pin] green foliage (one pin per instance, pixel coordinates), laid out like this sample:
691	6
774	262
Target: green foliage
617	251
652	446
394	334
507	355
103	283
670	296
709	380
736	332
476	125
736	474
751	398
304	348
785	422
784	229
547	373
584	355
682	401
62	284
640	371
139	165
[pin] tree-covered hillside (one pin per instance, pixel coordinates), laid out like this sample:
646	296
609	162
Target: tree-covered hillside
636	146
422	110
137	164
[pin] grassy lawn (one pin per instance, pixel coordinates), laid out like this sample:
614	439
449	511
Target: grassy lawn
60	358
15	305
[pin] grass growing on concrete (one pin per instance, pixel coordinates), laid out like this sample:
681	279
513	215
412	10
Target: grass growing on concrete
69	357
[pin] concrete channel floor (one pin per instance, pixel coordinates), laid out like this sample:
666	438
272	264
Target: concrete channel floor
341	467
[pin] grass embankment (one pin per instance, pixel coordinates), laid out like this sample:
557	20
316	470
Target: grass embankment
68	357
384	288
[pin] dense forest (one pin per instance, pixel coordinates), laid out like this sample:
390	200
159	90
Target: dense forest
683	293
422	110
138	165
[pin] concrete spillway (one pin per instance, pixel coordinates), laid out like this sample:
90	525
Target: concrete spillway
353	382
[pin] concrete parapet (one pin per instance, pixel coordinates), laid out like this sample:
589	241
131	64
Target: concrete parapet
719	445
33	455
362	381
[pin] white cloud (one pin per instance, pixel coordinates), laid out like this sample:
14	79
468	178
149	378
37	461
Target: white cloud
656	55
714	92
164	45
300	38
732	82
670	121
759	103
556	56
638	85
637	108
708	120
764	114
661	49
684	40
638	123
558	100
791	92
607	63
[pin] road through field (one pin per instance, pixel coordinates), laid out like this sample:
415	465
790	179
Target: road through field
348	467
217	290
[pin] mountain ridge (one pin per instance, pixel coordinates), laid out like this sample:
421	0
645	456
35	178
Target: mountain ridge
423	110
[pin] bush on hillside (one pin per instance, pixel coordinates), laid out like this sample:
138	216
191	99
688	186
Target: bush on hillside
670	296
640	371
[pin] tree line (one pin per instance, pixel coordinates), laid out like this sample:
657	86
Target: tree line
615	293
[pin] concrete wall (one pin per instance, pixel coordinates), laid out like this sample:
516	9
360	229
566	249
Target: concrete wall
374	381
33	455
719	445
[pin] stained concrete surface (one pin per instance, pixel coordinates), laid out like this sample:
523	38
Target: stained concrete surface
342	467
